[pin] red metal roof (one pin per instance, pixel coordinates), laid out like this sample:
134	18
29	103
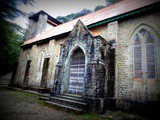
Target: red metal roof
105	13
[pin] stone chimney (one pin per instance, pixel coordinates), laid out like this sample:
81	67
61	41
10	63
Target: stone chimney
38	23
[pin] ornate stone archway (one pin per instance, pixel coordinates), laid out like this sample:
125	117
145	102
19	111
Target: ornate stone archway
82	47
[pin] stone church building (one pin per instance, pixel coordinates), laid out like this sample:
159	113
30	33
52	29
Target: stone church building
106	59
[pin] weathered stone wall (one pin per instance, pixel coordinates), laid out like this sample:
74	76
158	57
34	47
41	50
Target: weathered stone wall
107	31
51	50
36	27
100	30
127	87
31	30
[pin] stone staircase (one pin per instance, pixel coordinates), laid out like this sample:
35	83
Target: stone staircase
69	102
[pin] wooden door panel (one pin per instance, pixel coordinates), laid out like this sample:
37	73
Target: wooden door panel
76	76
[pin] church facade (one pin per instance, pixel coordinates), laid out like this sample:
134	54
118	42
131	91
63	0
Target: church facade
110	56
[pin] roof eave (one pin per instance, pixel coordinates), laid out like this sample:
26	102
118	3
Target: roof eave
108	20
134	12
46	39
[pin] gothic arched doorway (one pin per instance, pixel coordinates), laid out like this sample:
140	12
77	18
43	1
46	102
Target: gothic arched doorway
76	72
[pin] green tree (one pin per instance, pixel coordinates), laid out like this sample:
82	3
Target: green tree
62	19
99	7
11	34
109	2
73	16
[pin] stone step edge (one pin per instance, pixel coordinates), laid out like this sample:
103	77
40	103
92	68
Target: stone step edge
72	101
64	106
71	98
72	95
43	98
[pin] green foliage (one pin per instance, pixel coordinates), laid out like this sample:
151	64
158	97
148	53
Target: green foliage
109	2
11	34
113	1
9	9
99	7
73	16
89	116
21	96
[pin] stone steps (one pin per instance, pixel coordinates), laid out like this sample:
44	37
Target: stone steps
69	102
3	83
72	95
72	98
65	106
44	98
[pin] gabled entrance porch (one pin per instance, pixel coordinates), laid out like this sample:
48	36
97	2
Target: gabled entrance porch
81	69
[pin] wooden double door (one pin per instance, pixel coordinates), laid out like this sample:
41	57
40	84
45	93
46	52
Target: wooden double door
76	74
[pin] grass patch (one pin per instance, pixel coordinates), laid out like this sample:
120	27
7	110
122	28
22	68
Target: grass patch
42	103
50	106
89	116
23	96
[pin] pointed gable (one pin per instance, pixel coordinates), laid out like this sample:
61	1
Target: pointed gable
79	33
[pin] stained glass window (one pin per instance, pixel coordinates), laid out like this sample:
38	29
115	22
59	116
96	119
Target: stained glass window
143	32
150	56
137	58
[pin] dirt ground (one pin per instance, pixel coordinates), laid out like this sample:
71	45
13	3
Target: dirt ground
15	105
18	105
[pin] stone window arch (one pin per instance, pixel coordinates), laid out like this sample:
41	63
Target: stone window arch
144	59
144	56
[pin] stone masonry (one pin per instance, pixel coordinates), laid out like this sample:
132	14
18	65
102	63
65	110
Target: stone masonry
119	35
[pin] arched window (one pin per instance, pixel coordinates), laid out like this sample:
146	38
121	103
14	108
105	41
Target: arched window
137	58
150	56
144	55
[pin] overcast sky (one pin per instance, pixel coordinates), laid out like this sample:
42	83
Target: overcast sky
58	7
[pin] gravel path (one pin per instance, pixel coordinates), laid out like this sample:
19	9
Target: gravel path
15	105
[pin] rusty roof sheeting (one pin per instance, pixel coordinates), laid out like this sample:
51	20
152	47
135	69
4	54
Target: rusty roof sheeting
105	13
